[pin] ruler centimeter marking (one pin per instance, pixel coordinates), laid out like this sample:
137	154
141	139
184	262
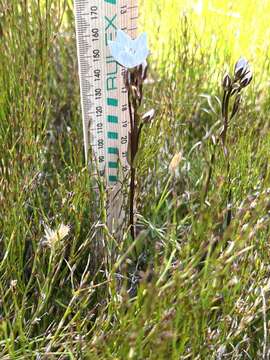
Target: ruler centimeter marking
104	99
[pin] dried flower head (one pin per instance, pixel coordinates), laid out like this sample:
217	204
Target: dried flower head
13	284
175	162
53	237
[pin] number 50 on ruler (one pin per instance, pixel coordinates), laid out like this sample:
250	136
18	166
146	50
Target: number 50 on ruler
103	95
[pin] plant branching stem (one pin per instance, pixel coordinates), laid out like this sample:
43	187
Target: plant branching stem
225	113
133	151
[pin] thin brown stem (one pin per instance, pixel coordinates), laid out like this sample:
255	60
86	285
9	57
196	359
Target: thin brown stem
209	176
225	114
133	151
131	202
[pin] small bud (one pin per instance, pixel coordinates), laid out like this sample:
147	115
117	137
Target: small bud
246	79
227	82
148	116
130	78
241	68
135	92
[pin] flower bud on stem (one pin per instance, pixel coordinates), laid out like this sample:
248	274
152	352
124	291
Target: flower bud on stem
232	87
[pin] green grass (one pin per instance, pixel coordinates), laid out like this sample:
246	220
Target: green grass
66	301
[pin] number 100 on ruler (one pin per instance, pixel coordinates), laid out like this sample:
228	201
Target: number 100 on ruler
103	94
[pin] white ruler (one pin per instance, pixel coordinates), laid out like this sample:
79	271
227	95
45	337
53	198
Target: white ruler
103	95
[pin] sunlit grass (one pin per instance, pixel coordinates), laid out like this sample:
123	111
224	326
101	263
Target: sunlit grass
236	27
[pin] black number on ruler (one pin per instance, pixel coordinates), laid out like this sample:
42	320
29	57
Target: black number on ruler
99	111
124	123
100	143
99	128
94	12
98	94
124	140
95	34
97	74
96	54
101	159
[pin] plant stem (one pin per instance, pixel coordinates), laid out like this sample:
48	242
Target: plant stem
131	202
225	113
133	150
209	176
